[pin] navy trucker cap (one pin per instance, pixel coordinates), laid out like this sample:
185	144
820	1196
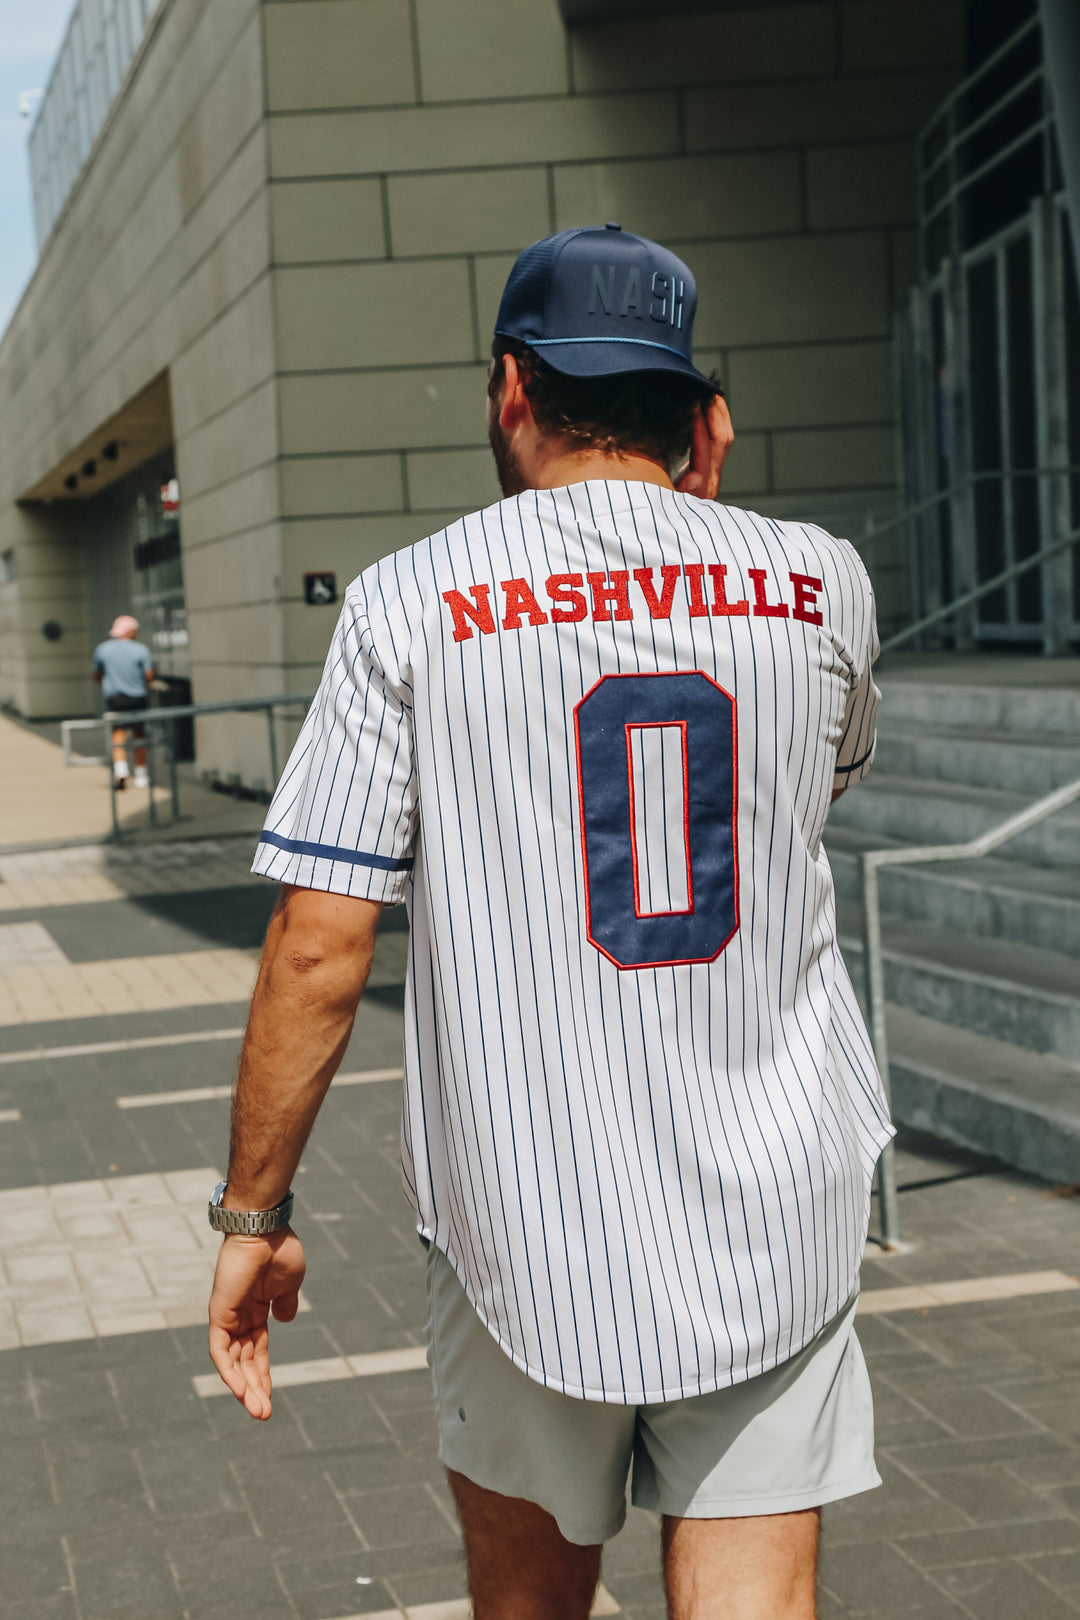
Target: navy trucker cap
598	300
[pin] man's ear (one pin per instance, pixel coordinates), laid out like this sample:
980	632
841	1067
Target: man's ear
514	407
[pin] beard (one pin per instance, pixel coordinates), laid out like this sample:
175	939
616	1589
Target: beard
510	472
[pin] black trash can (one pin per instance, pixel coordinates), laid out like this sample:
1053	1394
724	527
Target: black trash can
174	692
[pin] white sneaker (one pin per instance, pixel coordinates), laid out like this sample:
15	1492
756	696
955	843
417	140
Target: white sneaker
120	770
141	777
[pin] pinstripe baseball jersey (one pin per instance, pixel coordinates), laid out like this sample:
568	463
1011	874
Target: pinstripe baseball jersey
590	736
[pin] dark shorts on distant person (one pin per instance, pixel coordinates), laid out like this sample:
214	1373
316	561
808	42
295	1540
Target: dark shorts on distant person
123	703
792	1438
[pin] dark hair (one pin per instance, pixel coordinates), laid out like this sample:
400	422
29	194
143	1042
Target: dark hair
647	413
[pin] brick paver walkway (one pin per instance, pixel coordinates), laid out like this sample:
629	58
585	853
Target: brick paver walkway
132	1493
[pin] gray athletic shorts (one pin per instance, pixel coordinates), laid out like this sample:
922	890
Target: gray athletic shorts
795	1437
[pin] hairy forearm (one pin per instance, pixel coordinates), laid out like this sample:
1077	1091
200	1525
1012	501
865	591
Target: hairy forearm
310	981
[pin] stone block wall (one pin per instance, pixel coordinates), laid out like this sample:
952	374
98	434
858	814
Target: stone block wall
772	146
303	212
158	264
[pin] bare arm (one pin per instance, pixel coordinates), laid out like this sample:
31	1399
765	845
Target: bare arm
315	963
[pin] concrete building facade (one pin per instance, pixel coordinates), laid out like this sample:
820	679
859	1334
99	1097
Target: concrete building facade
275	277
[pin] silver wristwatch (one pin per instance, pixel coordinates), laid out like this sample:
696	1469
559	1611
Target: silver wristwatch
251	1222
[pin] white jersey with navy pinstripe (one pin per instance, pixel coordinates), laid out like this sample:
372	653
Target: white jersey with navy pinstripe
590	735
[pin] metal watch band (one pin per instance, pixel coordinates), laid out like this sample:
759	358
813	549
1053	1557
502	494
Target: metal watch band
248	1222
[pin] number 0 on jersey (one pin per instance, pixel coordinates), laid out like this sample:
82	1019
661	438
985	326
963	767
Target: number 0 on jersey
658	791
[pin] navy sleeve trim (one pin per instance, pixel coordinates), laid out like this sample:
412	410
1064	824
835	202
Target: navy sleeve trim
845	770
330	852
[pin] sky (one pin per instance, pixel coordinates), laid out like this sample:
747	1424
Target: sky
30	37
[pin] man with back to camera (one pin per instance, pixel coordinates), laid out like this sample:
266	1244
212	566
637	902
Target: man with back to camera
124	669
590	736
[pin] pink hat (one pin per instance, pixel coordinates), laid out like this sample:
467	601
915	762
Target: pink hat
125	625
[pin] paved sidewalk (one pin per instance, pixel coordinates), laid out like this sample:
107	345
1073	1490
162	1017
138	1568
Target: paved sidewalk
133	1491
44	802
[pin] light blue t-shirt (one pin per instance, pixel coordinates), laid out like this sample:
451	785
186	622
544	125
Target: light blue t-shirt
123	665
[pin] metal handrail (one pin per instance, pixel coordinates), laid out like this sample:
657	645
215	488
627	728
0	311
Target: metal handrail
873	963
168	716
920	508
954	134
1013	571
976	124
980	72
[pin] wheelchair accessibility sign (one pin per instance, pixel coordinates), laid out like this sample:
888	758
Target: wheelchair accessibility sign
320	589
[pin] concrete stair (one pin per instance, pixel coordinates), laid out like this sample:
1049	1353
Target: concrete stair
982	958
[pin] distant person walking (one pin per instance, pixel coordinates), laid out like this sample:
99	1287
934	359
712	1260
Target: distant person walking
123	668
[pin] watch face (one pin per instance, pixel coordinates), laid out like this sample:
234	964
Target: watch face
217	1195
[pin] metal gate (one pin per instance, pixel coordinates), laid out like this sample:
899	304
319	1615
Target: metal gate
989	355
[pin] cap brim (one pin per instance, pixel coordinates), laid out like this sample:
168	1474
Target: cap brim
607	359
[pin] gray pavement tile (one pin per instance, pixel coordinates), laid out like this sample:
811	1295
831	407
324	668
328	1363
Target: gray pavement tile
299	1527
973	1412
991	1495
846	1525
206	1561
376	1466
828	1607
117	1027
270	1605
105	1469
884	1582
966	1343
35	1568
71	1394
280	1440
188	1478
1006	1592
638	1593
61	1606
154	924
399	1518
1046	1472
437	1585
248	1590
135	1581
1061	1569
329	1603
924	1458
415	1432
344	1561
988	1543
351	1423
636	1549
899	1435
941	1608
395	1564
1069	1497
1062	1416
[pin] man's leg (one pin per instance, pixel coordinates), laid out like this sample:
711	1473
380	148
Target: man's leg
520	1565
741	1569
119	754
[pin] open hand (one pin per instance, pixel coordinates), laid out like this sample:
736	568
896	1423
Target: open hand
254	1276
713	438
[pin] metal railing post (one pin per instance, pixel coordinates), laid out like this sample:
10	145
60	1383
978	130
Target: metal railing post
874	976
873	960
174	781
112	776
150	741
273	746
